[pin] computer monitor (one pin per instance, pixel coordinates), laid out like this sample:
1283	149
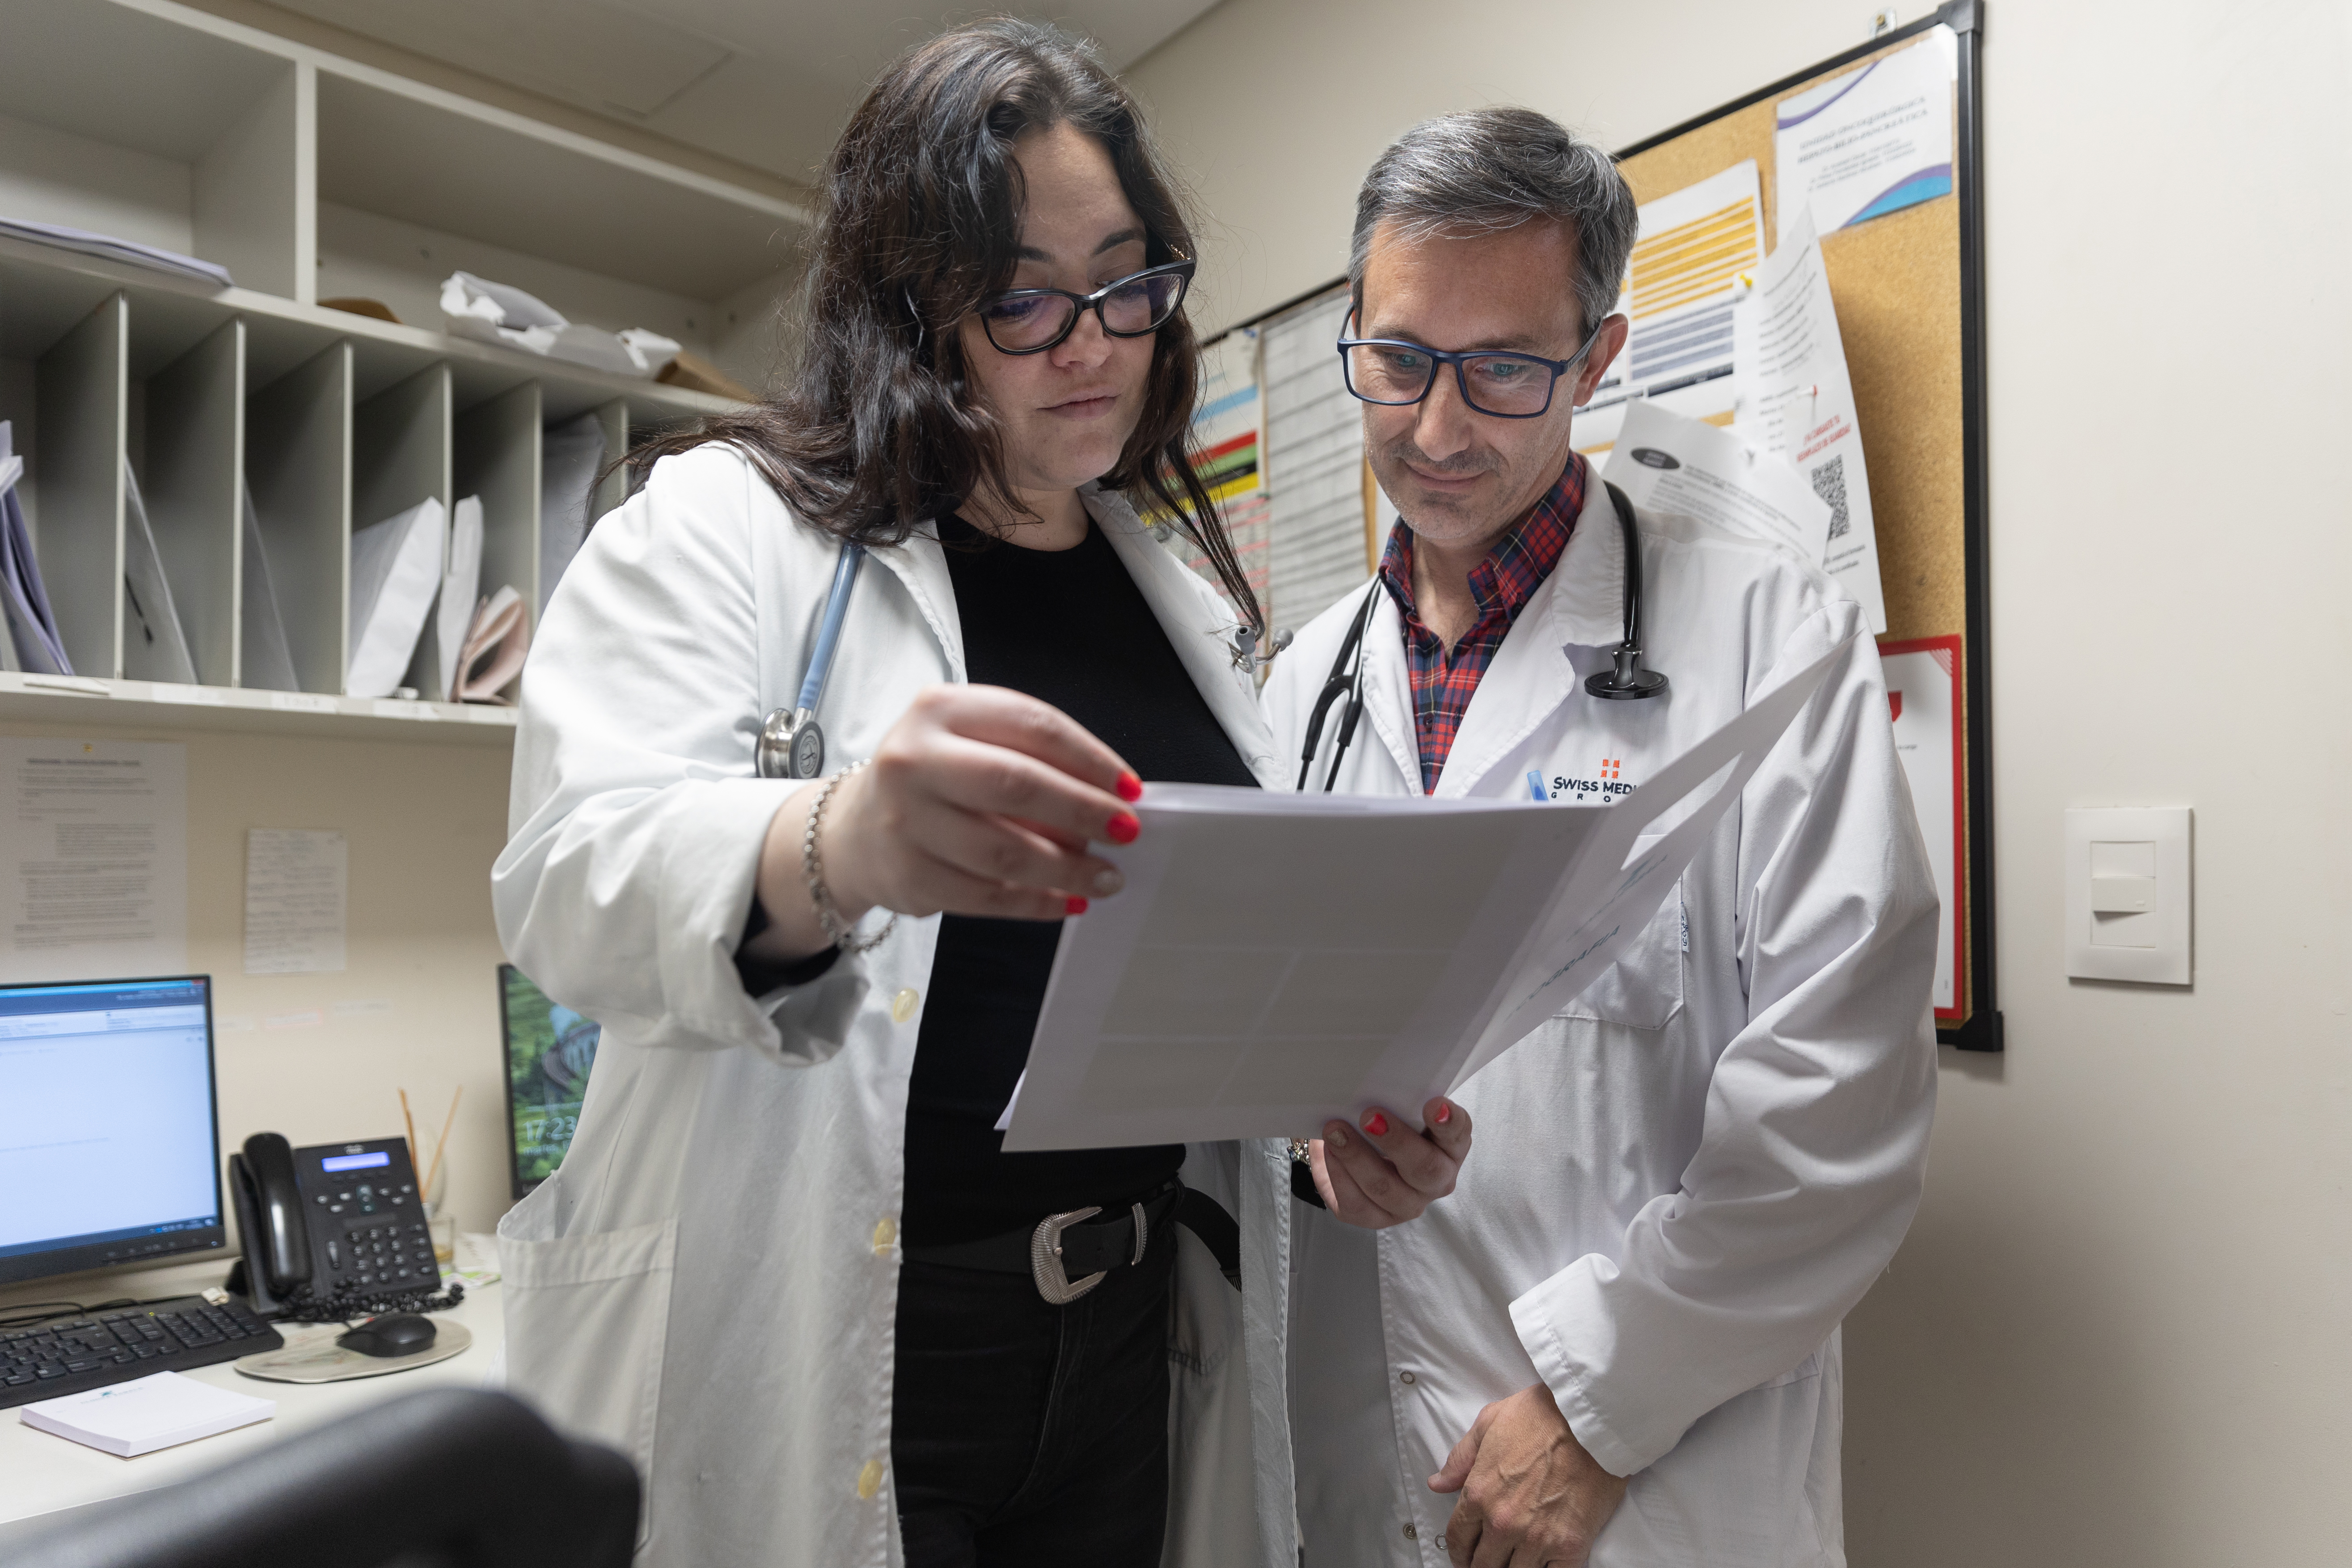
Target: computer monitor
550	1049
110	1152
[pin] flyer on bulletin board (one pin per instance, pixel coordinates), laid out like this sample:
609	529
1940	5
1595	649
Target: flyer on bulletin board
1923	691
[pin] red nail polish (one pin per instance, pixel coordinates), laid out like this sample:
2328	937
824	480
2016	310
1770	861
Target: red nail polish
1376	1124
1074	906
1122	827
1444	1112
1130	788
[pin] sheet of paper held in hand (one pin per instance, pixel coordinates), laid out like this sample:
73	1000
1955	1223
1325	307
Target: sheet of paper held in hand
1277	959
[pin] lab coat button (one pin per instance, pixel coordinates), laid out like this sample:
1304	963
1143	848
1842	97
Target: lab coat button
1404	1377
886	1231
1410	1533
869	1480
903	1005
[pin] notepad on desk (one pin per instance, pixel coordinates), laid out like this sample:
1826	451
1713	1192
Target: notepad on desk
147	1414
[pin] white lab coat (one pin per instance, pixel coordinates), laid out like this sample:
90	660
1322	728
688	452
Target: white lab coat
710	1281
1680	1185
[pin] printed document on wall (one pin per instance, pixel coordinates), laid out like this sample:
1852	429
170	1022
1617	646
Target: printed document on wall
1796	401
297	894
96	859
1869	143
1923	696
1667	463
1698	247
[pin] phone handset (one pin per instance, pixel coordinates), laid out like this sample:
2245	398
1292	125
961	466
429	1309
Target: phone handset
333	1231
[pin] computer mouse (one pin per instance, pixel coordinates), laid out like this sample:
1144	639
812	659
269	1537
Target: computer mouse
394	1334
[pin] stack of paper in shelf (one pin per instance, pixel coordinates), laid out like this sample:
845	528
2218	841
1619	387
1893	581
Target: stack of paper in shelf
498	640
32	643
571	457
395	571
108	247
482	641
501	313
268	660
154	643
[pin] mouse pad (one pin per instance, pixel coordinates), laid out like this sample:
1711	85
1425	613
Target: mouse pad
321	1360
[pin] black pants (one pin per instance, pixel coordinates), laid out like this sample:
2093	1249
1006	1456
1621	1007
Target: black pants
1026	1433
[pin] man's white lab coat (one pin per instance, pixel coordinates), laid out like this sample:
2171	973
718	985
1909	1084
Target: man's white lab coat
1682	1184
710	1281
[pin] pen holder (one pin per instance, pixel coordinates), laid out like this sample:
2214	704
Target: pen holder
443	1229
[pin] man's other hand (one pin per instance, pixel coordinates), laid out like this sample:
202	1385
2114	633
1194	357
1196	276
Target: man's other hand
1531	1496
1385	1173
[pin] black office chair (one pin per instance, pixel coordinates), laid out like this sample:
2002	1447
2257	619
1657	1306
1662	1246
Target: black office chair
445	1479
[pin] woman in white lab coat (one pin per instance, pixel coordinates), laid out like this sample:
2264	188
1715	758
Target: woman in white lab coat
773	1266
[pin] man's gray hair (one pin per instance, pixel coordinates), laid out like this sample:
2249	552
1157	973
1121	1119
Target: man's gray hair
1487	170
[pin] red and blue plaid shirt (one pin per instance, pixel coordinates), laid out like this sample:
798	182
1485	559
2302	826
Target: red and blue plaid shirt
1443	681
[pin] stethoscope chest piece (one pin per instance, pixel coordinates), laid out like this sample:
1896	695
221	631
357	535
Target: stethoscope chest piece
1626	681
791	742
791	745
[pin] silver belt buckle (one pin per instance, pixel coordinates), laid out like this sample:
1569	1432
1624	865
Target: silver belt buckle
1045	1255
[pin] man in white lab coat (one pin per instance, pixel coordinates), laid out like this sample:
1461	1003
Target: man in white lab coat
1619	1338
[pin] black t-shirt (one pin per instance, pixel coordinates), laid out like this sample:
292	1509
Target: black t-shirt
1071	628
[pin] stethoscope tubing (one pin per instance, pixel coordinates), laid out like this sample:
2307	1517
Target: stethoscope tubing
828	632
1628	679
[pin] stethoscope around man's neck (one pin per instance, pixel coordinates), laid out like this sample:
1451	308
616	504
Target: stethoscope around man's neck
1624	681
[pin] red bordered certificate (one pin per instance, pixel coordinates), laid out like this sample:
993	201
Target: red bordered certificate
1923	693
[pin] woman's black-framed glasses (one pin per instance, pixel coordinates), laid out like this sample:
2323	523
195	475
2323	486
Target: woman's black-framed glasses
1394	373
1031	321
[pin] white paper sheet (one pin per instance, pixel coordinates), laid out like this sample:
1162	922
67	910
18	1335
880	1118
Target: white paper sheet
1797	401
1667	463
94	863
155	647
461	587
31	629
1869	143
267	659
296	894
573	453
1277	959
395	571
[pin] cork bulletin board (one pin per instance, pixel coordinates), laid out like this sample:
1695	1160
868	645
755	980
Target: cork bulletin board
1908	291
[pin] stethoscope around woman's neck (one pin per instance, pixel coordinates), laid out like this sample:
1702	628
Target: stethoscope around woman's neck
1624	681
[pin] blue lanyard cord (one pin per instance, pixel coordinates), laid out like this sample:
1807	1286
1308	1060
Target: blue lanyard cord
836	610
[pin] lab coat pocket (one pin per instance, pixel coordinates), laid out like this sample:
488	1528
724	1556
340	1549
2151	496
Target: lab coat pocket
1644	989
586	1320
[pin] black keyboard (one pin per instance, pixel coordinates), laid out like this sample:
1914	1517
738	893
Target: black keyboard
73	1355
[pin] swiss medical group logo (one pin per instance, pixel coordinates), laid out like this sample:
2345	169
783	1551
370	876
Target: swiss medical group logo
1602	790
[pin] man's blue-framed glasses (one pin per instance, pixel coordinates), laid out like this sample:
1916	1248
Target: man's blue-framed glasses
1393	374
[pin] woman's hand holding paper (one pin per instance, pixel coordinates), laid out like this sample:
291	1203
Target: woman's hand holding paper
1382	1172
978	801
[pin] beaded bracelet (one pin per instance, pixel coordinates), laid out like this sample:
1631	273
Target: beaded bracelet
843	934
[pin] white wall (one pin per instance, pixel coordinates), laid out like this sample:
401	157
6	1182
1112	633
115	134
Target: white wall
2118	1331
417	1006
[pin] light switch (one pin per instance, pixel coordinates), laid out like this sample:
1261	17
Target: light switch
2128	894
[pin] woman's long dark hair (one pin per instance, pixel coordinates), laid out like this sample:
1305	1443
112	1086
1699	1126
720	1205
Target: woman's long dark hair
876	431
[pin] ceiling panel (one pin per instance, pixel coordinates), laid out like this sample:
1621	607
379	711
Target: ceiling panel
766	82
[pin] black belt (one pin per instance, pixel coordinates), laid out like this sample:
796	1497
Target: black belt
1068	1257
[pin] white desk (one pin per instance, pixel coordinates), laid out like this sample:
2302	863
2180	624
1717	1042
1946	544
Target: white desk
41	1473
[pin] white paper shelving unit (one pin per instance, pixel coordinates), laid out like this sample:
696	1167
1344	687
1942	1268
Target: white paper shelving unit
308	176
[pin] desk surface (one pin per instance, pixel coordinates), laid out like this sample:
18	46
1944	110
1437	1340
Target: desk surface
41	1473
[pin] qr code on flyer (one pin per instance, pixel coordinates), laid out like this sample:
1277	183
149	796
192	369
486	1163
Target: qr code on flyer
1828	483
